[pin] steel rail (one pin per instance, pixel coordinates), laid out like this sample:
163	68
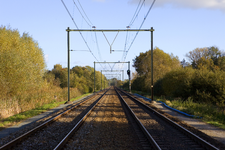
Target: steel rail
201	141
144	130
32	131
78	125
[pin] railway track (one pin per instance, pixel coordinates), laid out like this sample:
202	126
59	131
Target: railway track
108	121
106	128
164	133
47	135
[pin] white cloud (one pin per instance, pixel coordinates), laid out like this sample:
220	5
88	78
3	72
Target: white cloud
46	58
195	4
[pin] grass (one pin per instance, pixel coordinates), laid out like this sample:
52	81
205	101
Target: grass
209	113
15	119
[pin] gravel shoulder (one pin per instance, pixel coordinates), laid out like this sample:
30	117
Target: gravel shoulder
215	132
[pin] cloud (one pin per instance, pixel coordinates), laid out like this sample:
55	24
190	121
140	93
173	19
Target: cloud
194	4
46	58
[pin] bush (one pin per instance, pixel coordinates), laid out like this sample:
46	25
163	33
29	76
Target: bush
177	83
208	86
158	88
138	84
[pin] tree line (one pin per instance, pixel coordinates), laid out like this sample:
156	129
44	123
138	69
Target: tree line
26	84
81	78
23	67
201	79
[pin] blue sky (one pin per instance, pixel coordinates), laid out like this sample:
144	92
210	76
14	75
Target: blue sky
180	26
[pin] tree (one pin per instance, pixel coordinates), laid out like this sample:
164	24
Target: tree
197	55
184	63
61	75
162	63
180	80
207	58
208	86
22	64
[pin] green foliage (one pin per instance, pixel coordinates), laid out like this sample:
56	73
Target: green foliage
163	63
203	81
207	58
209	112
180	80
138	84
158	88
126	84
203	85
208	86
81	78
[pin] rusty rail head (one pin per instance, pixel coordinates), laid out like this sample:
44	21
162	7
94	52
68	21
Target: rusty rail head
147	134
77	126
204	143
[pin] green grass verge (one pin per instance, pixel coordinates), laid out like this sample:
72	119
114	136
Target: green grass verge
209	113
13	120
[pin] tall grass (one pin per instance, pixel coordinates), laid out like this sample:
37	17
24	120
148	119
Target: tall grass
12	120
33	98
210	113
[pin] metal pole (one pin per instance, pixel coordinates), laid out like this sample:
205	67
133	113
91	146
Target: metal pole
129	76
94	76
68	44
152	64
123	75
101	79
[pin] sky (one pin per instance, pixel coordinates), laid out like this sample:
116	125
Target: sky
180	27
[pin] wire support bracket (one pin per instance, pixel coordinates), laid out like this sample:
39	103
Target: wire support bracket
108	30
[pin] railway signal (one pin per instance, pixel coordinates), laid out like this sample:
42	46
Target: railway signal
128	73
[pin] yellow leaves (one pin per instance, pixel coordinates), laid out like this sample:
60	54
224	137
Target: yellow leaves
21	61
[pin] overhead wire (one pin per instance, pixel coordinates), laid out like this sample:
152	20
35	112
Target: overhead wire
87	20
80	32
124	51
89	23
136	12
96	39
139	28
84	12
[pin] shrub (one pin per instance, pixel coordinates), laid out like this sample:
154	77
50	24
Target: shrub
176	83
